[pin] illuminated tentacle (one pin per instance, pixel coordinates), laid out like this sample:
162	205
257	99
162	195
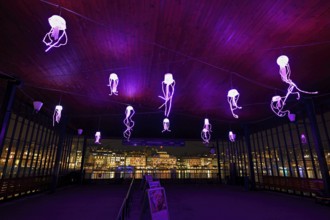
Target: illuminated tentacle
52	38
128	122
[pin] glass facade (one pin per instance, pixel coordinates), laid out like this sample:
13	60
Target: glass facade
34	155
28	153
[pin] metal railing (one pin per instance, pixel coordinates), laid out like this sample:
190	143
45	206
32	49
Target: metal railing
123	211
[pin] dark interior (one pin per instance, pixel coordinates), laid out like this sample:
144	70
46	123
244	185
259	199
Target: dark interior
210	47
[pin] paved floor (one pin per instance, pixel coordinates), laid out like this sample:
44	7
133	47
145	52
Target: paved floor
185	202
90	202
189	202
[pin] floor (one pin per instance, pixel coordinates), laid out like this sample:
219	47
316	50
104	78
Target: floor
185	202
101	201
188	202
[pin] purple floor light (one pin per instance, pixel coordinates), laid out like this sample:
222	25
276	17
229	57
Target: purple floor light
206	132
113	83
166	125
232	98
56	37
128	122
57	114
168	86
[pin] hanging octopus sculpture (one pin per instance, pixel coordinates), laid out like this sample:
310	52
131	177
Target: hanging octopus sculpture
278	102
128	122
168	86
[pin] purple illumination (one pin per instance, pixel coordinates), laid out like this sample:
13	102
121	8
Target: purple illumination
303	139
232	136
277	105
37	105
206	132
57	114
166	125
292	117
97	137
285	72
168	91
128	122
232	98
54	36
80	131
113	83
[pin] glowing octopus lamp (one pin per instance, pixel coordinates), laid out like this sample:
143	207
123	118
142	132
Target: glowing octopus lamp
285	72
128	122
168	86
97	137
80	131
166	125
232	136
232	98
277	106
303	139
113	83
206	131
57	114
57	32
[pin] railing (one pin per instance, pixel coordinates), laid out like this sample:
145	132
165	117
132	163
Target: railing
123	212
158	174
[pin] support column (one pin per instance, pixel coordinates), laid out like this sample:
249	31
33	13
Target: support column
318	145
5	110
83	154
58	154
249	152
218	160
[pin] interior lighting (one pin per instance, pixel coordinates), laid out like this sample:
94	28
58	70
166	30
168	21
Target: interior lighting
168	86
232	98
128	122
166	125
56	37
285	72
113	83
232	136
37	106
206	131
97	137
57	114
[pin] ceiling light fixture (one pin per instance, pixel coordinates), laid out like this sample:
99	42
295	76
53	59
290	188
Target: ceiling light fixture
285	72
168	86
113	83
166	125
277	105
303	139
232	98
128	122
57	114
80	131
206	131
232	136
97	137
56	37
37	106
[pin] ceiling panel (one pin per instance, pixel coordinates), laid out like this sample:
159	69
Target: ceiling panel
209	46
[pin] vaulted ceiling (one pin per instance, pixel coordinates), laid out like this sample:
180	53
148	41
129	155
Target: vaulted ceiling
208	46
